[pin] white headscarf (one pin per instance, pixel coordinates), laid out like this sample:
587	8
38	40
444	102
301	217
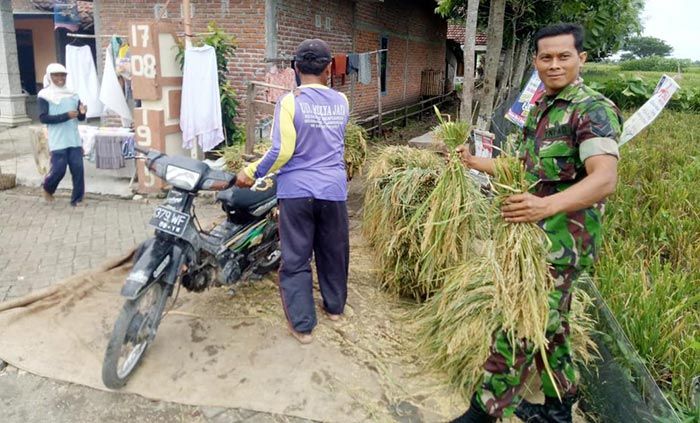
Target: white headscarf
51	92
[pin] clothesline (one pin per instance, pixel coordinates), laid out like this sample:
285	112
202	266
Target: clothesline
375	51
93	36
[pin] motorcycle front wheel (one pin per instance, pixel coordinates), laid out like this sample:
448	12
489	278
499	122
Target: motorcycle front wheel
133	332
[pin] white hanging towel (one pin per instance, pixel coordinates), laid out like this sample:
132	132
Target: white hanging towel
200	110
111	94
82	78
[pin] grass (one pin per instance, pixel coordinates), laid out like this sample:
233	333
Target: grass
598	72
649	269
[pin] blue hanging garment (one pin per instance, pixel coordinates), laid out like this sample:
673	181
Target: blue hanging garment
65	15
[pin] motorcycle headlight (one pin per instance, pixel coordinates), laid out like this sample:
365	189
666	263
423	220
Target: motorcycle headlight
181	178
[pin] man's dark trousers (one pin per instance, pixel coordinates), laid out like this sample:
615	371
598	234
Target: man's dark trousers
307	226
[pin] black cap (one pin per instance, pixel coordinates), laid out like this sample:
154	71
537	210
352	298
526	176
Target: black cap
315	49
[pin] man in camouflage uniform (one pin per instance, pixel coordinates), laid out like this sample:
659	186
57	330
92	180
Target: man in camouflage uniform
569	148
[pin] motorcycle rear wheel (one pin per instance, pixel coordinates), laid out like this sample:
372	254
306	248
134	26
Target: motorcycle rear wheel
133	332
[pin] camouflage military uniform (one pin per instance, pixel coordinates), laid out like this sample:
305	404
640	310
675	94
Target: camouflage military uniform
560	133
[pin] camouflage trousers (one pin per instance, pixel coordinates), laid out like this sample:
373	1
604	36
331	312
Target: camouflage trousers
508	367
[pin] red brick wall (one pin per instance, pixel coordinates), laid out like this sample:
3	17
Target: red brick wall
416	35
416	42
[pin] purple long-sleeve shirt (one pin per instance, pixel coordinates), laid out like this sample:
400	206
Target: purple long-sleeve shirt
308	145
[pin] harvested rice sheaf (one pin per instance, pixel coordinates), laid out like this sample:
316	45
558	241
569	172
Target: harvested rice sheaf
504	287
448	226
399	181
522	280
355	148
422	215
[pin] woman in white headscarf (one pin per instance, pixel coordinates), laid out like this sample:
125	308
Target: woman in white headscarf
60	109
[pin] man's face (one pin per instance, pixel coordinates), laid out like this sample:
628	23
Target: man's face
58	79
557	61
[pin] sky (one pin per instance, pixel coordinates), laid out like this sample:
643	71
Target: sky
676	22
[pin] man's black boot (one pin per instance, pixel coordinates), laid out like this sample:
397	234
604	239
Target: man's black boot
475	414
531	413
559	411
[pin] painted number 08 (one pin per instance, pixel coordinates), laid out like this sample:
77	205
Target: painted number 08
144	66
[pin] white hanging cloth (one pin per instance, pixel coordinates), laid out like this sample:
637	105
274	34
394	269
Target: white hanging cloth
111	93
200	110
82	78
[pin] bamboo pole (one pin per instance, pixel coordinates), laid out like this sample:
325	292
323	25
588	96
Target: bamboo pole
379	92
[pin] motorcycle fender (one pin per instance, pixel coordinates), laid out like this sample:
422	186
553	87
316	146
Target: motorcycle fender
158	261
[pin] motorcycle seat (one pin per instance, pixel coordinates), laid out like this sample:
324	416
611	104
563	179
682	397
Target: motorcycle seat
245	199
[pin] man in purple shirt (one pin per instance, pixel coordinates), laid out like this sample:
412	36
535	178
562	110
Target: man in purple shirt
308	143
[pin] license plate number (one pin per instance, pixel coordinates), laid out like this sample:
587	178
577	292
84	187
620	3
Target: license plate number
169	221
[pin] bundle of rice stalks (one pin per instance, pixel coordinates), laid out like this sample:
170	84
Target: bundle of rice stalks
452	218
522	279
454	328
399	181
355	148
384	201
452	134
233	154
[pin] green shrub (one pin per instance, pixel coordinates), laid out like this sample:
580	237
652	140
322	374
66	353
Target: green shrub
656	63
632	92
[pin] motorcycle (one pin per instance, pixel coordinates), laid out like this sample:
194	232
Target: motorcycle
244	246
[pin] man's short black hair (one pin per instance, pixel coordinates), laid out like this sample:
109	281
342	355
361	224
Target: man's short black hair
561	29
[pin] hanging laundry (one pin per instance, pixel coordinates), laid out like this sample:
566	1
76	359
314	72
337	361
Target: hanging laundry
122	65
108	152
200	112
111	93
82	78
285	78
353	63
115	43
339	67
66	15
364	74
128	148
364	68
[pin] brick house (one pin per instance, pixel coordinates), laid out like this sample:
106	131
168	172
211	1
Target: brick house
268	31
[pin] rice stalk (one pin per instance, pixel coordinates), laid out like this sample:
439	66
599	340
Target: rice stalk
581	324
355	148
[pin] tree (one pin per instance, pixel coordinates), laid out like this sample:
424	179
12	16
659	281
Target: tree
469	58
607	23
648	46
493	55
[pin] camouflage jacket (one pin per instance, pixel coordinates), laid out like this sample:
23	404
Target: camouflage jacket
560	133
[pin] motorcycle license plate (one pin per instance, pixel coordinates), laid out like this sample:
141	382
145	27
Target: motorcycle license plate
169	221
